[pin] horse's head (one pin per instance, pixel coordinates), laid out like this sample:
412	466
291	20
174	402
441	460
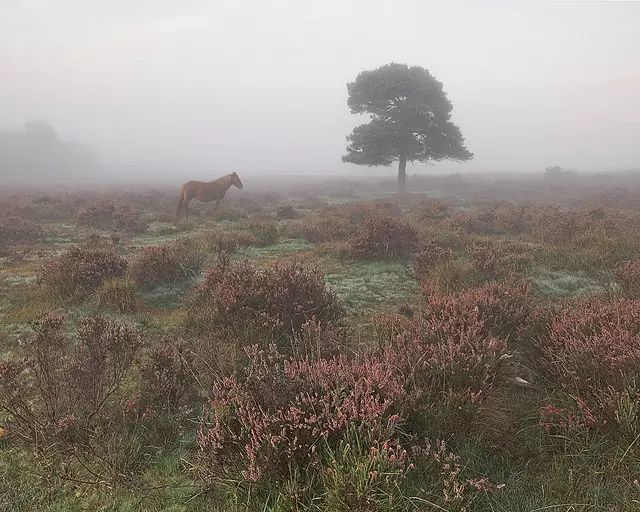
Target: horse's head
235	180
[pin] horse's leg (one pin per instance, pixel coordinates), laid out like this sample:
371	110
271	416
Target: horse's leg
186	207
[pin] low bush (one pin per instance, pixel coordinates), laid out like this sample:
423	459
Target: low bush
336	422
119	295
106	215
446	352
64	390
430	255
386	238
279	412
275	302
229	240
319	229
628	277
500	259
506	311
286	212
78	272
15	230
592	350
129	220
265	231
166	264
99	215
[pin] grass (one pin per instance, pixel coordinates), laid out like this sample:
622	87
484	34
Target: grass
368	285
559	284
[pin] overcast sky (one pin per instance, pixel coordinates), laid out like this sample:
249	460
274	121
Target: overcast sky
260	86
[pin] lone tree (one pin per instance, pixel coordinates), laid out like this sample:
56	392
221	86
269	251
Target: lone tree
410	120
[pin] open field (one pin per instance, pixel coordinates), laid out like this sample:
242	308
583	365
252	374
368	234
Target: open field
323	345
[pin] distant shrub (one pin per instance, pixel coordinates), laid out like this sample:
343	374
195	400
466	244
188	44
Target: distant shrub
228	240
78	272
129	220
166	264
322	229
287	211
500	259
276	301
106	215
265	231
119	295
228	213
430	255
15	230
432	210
156	265
99	215
386	238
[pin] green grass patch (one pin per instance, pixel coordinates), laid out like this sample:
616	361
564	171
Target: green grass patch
370	284
566	283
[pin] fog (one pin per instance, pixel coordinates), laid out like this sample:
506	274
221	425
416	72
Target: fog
199	87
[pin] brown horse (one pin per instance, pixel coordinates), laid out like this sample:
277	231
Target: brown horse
205	191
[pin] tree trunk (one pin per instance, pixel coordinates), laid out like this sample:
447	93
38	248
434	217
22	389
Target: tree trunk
402	175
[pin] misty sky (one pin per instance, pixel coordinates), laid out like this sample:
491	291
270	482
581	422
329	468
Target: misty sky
260	86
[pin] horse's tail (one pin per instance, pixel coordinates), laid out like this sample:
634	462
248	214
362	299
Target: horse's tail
180	204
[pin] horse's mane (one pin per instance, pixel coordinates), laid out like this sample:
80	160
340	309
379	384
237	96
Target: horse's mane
223	179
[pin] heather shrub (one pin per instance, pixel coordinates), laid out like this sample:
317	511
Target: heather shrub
64	390
432	210
430	255
129	220
628	277
165	264
15	230
275	301
99	215
228	241
274	416
265	231
506	311
167	399
336	422
106	215
494	219
287	211
167	381
78	272
500	259
319	229
446	352
119	295
386	238
592	350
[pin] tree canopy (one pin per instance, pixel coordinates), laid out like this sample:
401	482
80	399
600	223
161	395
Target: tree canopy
410	120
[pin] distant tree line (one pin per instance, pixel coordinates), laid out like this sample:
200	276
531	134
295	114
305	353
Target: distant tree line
37	153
